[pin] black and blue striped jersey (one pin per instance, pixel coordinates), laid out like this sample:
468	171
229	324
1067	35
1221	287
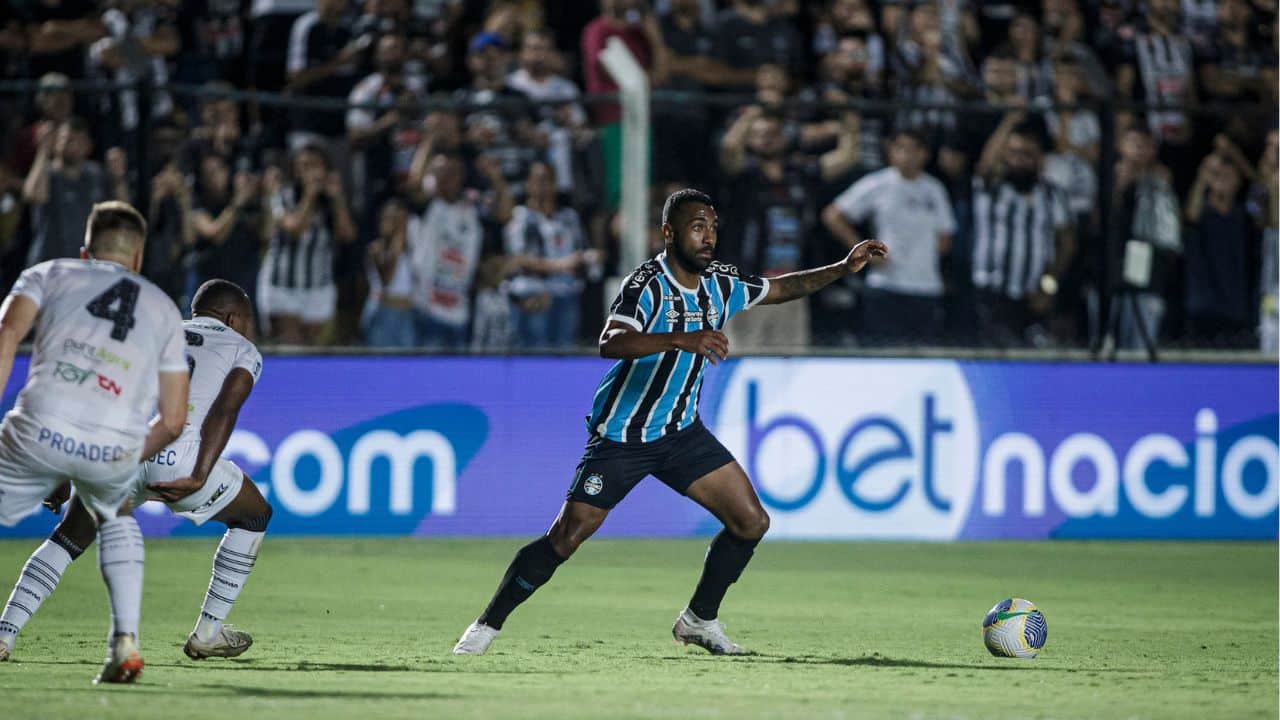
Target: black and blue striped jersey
644	399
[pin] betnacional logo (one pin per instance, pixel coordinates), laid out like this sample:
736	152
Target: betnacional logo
892	449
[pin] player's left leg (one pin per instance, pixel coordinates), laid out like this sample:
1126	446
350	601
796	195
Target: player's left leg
246	518
727	493
43	571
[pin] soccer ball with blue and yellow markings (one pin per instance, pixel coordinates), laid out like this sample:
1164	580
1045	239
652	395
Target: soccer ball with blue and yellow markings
1015	628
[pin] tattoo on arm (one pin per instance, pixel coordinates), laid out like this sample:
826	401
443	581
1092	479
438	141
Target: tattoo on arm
802	283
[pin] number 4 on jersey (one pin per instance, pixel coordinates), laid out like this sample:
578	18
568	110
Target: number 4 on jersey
123	296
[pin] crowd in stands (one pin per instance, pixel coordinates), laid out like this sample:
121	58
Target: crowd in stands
446	174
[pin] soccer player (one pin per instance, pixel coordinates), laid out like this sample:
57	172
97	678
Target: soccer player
189	475
664	326
108	351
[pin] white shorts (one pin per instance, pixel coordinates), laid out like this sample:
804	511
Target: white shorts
176	461
311	305
38	455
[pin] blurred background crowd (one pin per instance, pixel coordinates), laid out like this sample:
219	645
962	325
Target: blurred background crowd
445	174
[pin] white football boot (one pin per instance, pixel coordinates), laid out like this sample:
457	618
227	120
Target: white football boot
228	644
707	634
124	664
476	640
4	651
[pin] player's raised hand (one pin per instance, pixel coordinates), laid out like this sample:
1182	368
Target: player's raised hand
175	490
711	344
863	252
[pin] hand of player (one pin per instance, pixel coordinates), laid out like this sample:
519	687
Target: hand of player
56	498
863	252
175	490
711	344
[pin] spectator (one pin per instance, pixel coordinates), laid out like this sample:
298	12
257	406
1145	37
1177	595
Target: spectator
952	170
845	77
231	222
446	243
749	35
910	212
1266	199
1063	33
214	37
296	290
1030	64
773	195
169	230
62	187
499	122
426	52
1219	233
219	133
631	22
1022	237
1075	134
384	126
547	241
1144	223
55	103
563	122
848	19
388	315
58	32
956	22
685	126
929	73
323	60
140	41
1234	60
1159	68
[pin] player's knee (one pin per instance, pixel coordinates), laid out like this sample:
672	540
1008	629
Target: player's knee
753	526
254	521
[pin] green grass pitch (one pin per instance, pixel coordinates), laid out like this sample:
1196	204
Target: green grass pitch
363	628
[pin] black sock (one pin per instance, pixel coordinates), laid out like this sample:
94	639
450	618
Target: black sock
726	559
532	567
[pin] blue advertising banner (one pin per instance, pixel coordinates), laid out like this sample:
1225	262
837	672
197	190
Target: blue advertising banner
838	448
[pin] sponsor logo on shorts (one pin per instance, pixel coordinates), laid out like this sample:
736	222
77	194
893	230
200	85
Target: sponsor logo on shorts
91	352
222	490
75	448
76	375
164	457
593	484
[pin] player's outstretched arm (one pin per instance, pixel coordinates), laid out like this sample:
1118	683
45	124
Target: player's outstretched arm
17	315
619	342
803	283
167	425
214	433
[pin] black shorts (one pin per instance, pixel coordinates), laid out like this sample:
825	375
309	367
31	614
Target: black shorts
610	469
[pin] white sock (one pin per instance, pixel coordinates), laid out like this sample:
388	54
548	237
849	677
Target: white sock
120	556
37	582
232	564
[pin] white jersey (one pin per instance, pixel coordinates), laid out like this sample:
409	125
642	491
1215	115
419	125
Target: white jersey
102	337
213	351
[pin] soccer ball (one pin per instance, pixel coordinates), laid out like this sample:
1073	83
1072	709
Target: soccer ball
1014	628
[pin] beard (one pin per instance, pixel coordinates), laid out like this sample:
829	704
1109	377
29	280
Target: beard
1023	179
693	263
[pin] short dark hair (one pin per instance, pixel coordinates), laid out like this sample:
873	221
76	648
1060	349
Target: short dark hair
219	296
679	199
114	228
1031	131
912	133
